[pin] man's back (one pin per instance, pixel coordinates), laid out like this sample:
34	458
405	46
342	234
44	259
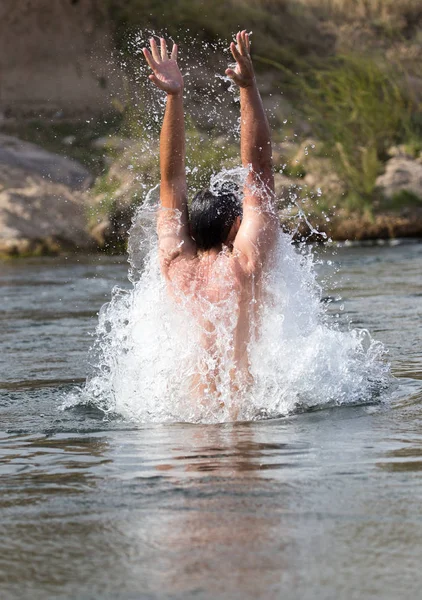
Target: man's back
219	295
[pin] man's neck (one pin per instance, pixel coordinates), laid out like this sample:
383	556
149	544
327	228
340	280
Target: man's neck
211	253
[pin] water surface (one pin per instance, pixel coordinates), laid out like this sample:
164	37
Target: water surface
325	504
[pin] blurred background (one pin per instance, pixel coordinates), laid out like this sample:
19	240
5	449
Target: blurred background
79	123
318	504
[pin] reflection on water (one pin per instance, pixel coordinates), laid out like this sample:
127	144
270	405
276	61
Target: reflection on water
218	511
320	505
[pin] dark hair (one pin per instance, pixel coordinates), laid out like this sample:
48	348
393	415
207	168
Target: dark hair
212	216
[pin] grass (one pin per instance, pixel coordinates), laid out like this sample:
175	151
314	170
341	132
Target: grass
359	109
367	9
402	199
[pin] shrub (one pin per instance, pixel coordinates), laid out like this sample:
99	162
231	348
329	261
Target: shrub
402	199
409	11
358	109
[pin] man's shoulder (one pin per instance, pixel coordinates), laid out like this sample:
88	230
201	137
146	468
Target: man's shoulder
226	263
182	263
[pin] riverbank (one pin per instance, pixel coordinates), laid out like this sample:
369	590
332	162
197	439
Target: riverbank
347	126
52	204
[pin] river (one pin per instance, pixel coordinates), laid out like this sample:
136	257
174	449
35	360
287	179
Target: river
318	505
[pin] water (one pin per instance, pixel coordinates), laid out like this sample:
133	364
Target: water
321	504
148	352
148	347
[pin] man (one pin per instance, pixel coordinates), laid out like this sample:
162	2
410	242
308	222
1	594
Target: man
216	255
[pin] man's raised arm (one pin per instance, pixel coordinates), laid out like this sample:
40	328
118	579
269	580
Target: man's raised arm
173	227
259	225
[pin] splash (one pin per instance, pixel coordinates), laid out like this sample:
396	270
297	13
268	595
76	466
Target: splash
148	347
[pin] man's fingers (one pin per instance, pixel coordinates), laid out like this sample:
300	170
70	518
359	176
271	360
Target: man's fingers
149	58
174	52
164	52
234	76
157	81
241	43
154	50
237	57
247	42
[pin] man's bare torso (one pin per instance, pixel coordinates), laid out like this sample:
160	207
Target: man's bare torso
218	294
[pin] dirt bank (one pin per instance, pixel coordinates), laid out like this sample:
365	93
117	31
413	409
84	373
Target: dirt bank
56	57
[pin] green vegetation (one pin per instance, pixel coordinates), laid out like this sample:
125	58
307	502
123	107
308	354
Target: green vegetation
206	155
294	170
358	104
402	198
105	187
351	78
373	10
359	110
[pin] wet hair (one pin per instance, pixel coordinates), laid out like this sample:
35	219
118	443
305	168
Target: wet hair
212	216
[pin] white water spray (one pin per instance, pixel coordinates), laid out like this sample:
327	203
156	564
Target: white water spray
148	348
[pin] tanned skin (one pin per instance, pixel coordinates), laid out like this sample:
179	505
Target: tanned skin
257	232
175	239
235	267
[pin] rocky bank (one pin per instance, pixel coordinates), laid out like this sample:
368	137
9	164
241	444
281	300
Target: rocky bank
51	204
43	200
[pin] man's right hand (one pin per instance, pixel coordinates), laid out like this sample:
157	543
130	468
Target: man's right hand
166	72
243	75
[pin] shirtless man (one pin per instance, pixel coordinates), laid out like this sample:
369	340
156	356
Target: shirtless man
217	250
